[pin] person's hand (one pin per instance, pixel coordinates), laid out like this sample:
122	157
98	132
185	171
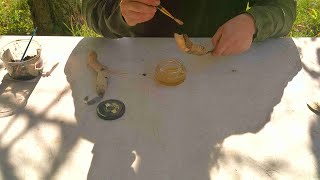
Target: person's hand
138	11
235	36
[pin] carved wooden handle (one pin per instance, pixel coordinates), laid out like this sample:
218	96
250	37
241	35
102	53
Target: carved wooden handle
186	45
94	63
102	76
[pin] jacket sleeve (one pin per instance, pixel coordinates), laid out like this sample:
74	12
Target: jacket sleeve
104	17
273	18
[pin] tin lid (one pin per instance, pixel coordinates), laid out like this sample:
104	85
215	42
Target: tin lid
111	109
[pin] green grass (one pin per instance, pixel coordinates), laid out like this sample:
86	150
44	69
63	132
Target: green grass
82	30
15	17
78	27
16	20
307	23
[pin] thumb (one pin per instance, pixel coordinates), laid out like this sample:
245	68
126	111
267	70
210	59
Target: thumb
216	37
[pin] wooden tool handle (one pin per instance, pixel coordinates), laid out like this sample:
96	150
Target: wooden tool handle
102	76
167	13
94	63
102	82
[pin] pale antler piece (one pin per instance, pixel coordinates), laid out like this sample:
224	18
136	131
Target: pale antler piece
186	45
102	76
181	42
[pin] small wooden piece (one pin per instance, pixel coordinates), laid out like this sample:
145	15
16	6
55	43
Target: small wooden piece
186	45
47	74
102	76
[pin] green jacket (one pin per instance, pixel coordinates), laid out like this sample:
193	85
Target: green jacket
202	18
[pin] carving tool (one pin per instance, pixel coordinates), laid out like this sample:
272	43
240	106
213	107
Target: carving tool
33	34
167	13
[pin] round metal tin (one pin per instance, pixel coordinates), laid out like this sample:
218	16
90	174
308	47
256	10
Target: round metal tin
111	109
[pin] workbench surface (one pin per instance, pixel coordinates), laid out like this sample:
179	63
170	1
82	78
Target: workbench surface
236	117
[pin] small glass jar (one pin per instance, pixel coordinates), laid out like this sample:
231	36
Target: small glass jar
170	72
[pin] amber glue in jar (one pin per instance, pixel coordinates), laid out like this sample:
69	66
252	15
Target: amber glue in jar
170	72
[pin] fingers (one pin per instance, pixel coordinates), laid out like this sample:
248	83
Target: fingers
235	50
226	44
147	2
139	7
138	11
137	17
220	45
235	36
216	37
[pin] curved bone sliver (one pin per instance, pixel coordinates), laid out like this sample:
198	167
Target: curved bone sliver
186	45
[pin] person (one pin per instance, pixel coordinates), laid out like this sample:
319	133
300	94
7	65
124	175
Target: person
232	24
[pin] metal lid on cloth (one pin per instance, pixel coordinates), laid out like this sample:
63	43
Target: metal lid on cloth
111	109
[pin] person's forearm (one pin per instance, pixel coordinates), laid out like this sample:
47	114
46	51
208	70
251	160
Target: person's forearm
273	18
104	17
